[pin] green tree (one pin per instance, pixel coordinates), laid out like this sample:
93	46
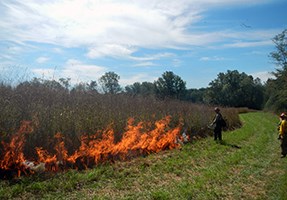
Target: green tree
235	89
133	89
80	87
92	86
65	82
144	89
110	83
147	88
170	86
280	55
85	87
196	95
276	92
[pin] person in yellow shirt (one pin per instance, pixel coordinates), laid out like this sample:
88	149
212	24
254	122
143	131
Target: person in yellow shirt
283	134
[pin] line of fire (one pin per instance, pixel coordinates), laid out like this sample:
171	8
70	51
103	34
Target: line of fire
137	140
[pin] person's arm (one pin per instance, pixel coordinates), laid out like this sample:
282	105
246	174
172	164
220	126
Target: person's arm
214	120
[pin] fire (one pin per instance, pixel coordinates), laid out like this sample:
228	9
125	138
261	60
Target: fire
138	139
13	155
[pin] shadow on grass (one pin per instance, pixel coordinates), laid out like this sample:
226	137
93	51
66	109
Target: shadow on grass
229	145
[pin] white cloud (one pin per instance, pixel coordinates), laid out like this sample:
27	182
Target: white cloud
250	44
82	22
74	69
212	58
42	59
145	64
263	75
146	60
5	57
119	28
140	77
58	50
44	73
14	49
114	27
152	57
81	72
112	50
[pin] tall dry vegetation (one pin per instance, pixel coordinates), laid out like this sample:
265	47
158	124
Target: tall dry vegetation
52	108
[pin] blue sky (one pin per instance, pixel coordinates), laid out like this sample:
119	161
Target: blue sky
138	39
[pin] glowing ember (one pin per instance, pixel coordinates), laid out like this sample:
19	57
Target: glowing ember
139	139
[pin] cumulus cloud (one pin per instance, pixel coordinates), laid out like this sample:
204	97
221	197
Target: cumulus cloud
112	50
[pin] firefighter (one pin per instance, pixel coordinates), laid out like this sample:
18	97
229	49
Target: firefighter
217	125
283	134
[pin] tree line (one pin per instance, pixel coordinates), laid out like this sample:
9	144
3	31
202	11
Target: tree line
231	89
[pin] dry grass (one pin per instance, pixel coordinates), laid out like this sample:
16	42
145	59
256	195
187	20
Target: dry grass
53	109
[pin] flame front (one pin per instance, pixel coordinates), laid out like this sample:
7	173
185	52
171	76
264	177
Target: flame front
13	155
139	139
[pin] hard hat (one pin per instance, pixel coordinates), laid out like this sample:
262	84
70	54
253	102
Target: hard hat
283	115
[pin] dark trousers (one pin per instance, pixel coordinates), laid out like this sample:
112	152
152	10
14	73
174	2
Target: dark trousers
284	145
217	133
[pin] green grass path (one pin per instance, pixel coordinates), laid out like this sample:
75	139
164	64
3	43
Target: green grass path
246	166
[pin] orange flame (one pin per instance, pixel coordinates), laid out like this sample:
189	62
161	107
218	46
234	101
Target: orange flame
138	139
13	152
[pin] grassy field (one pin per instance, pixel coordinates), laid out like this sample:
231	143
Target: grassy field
247	165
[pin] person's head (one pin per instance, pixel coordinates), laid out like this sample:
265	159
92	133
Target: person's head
283	116
216	109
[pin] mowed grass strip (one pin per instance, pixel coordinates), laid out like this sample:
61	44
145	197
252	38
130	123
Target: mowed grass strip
247	165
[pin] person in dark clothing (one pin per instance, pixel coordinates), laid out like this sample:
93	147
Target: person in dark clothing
217	124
